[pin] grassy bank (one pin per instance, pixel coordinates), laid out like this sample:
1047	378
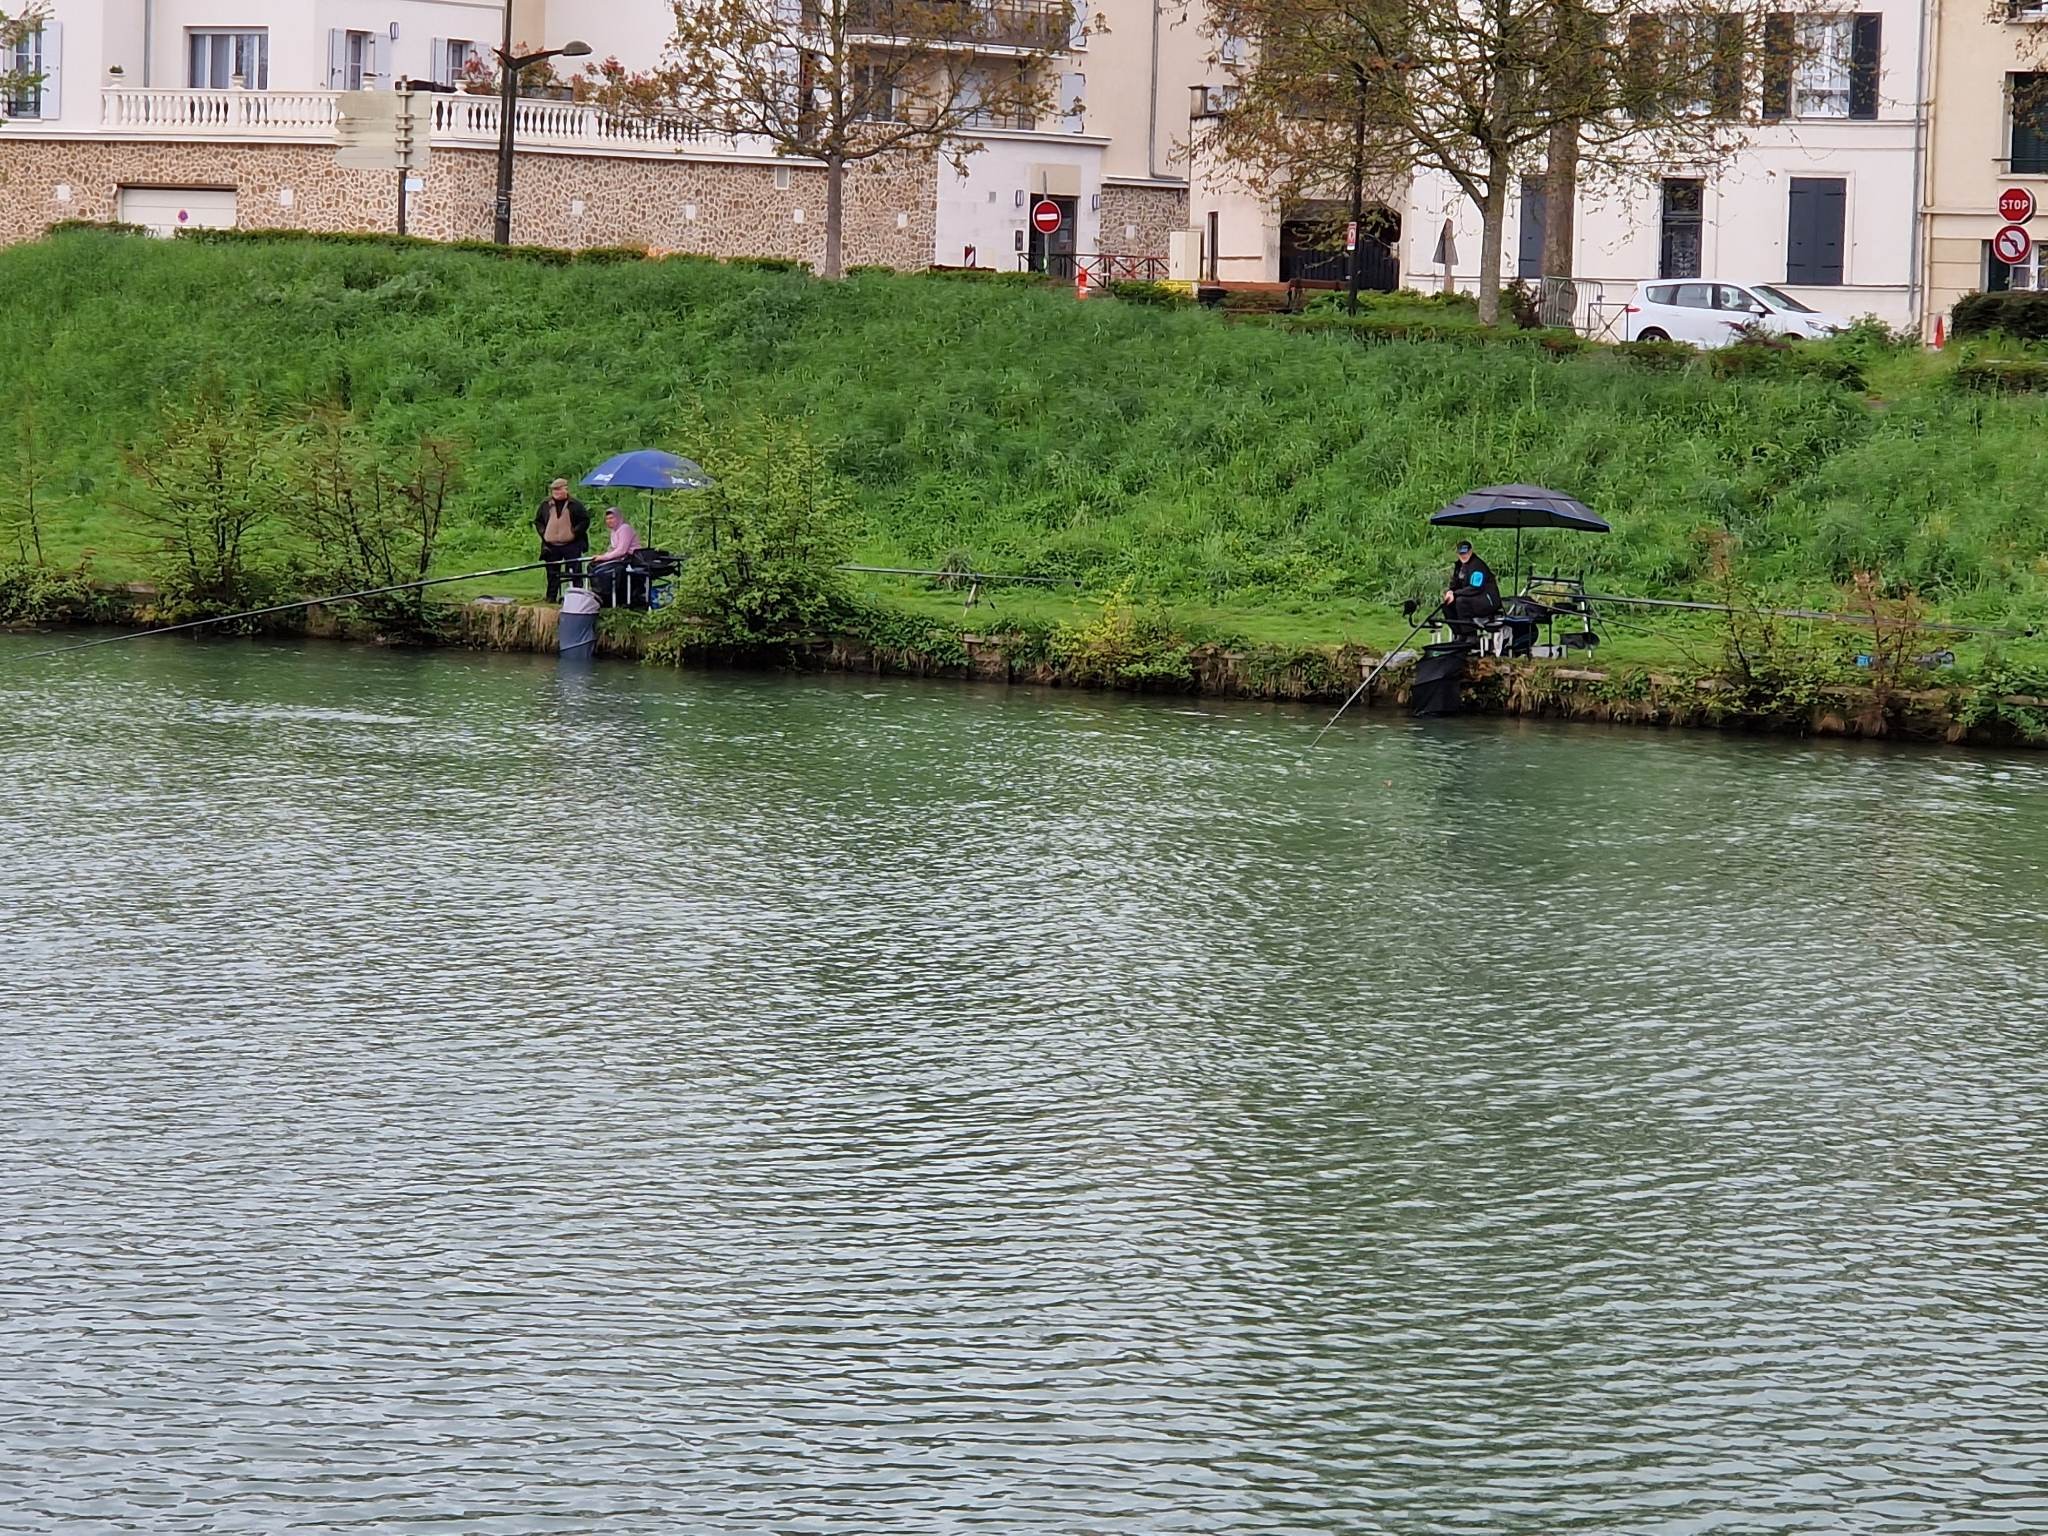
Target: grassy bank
1269	481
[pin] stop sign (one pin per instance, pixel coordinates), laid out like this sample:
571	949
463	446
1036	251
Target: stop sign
2015	205
1045	216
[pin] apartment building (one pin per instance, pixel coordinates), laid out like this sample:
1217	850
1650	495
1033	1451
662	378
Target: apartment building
1989	131
1819	197
171	113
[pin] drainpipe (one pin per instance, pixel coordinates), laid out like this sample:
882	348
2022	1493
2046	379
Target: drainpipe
1152	103
148	36
1922	152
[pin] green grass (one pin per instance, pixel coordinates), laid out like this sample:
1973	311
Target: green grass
1262	482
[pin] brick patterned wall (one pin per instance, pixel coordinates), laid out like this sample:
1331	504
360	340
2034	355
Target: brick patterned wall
1155	211
624	201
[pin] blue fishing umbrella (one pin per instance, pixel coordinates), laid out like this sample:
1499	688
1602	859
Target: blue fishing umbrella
649	470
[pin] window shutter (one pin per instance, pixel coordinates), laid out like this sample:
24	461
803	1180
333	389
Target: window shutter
1815	223
1864	57
1728	45
1077	36
1777	65
337	59
1529	243
1074	101
371	73
53	70
1645	43
437	61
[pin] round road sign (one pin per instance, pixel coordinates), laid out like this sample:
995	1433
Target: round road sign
2012	245
2015	205
1045	216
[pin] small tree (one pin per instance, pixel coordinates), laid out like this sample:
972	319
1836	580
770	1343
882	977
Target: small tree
364	525
214	473
764	545
21	518
846	81
1472	89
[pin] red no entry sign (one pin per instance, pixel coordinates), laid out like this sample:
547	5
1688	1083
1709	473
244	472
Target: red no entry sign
2015	205
2012	245
1045	216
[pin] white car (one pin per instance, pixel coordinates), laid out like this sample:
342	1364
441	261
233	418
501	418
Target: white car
1714	314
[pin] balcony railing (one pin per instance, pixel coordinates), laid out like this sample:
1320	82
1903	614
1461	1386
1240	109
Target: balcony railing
455	121
1026	24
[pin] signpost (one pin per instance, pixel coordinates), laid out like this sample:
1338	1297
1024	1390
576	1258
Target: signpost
1045	216
2015	205
375	131
2012	245
1351	236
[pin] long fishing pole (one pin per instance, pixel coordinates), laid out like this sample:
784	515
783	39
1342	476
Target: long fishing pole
310	602
1428	619
1929	625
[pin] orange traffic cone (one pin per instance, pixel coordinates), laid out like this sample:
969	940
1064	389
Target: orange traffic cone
1940	332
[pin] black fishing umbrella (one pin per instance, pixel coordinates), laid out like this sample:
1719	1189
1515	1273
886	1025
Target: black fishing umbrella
1519	507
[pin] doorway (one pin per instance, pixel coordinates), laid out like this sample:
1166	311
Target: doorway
1053	254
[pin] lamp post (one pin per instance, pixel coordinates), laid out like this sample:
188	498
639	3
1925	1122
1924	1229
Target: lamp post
509	66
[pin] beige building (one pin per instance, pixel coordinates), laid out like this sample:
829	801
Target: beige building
1988	132
171	113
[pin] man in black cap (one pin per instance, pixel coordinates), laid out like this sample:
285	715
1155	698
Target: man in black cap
1472	594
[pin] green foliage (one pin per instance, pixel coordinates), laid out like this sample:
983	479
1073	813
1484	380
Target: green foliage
1997	701
94	226
763	548
913	636
2020	313
1157	295
869	269
767	264
1206	464
35	594
201	489
1123	646
2002	375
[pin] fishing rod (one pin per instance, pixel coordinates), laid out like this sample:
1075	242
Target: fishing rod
1385	661
310	602
1799	613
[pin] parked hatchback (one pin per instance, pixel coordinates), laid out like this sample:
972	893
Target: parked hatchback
1714	314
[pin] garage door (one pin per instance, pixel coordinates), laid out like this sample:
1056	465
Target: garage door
166	210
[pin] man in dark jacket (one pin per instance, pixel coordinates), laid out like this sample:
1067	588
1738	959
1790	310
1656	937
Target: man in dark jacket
563	524
1472	594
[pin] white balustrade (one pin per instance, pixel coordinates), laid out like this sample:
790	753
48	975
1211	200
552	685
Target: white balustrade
456	121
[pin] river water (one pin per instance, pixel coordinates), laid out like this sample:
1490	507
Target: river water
447	1094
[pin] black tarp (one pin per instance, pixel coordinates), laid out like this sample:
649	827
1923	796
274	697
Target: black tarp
1435	689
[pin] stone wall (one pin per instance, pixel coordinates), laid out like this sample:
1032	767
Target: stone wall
718	208
1154	211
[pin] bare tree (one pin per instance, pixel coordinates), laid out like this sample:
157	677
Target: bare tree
846	81
1475	89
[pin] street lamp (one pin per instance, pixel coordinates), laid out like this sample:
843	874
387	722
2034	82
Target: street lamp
509	66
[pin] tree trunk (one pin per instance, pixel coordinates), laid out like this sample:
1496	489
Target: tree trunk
1355	236
1559	224
835	213
1493	216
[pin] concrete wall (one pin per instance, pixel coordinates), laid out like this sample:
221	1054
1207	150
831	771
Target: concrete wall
982	208
717	208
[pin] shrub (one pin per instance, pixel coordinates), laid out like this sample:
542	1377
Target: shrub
607	255
763	548
1160	295
1656	356
35	594
767	264
2003	375
96	226
1522	305
2021	314
869	269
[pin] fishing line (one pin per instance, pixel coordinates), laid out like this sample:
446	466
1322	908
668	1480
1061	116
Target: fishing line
310	602
1375	672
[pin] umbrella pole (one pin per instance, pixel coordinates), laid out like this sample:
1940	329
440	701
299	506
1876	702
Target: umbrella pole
1515	580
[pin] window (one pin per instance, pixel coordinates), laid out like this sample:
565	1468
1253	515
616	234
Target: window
874	93
359	59
1778	298
2030	276
1688	66
452	58
217	58
1692	296
1678	247
1727	296
1822	67
2029	108
1529	243
26	69
1816	218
